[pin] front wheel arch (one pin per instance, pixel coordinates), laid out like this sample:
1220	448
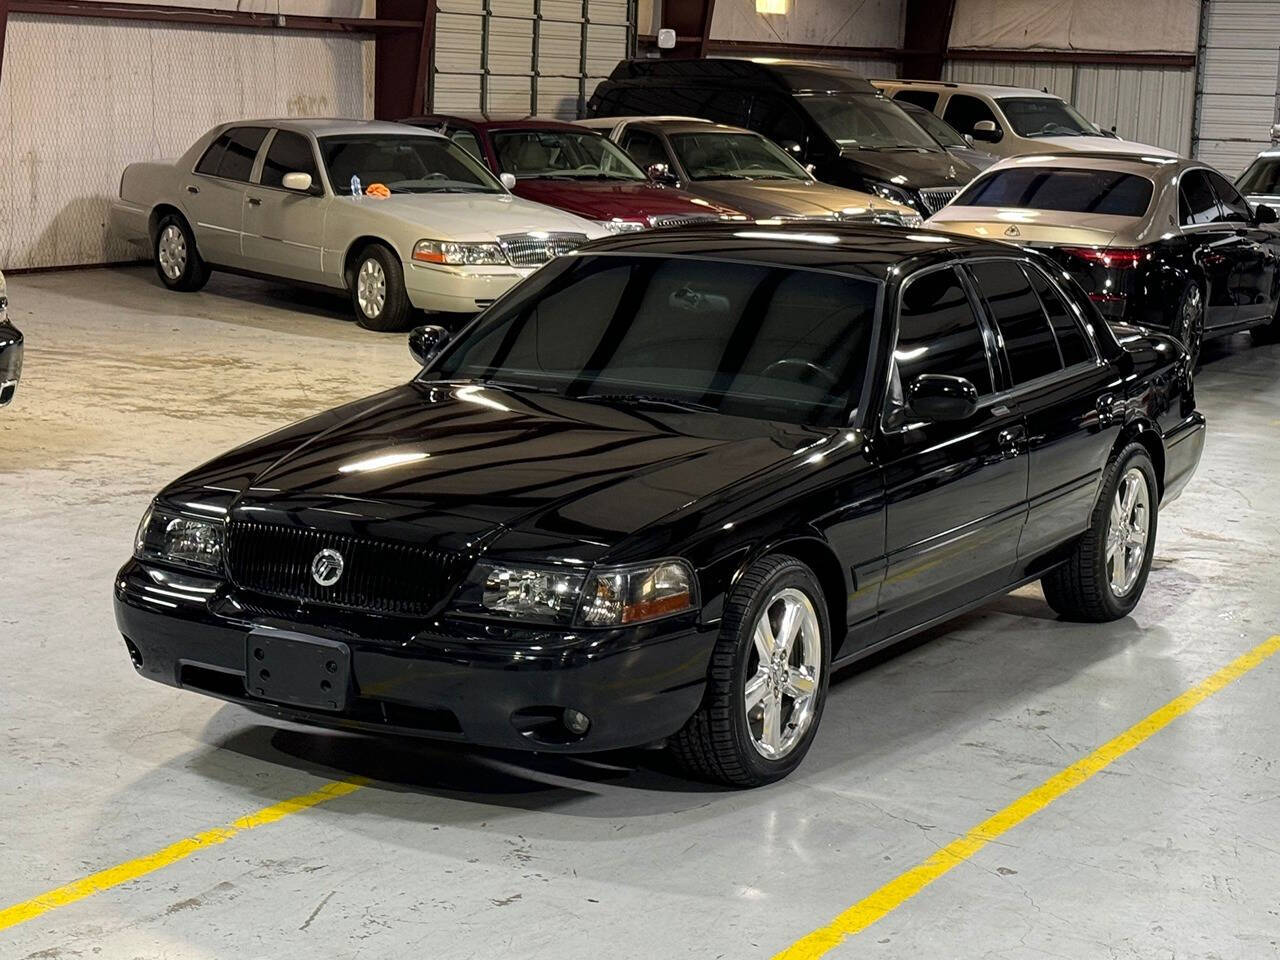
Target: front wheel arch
818	556
355	248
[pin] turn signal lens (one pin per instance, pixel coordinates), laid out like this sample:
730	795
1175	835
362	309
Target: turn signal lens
1114	257
621	595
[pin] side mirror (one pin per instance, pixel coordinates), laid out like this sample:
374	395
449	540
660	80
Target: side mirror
940	397
1275	133
660	173
987	131
426	342
299	182
1264	214
508	180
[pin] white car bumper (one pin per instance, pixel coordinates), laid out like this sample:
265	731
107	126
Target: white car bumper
458	289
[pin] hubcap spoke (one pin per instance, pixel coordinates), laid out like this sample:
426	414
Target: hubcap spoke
1130	529
756	689
764	638
780	693
772	734
789	628
799	685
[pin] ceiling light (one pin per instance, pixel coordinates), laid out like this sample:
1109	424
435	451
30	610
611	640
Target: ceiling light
772	6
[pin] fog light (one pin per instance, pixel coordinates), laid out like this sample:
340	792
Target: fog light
576	722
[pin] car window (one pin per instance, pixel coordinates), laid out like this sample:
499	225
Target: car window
1045	117
1262	177
865	121
231	156
921	98
734	156
936	127
747	340
360	164
1197	203
727	106
468	142
1059	188
562	154
1028	339
289	153
645	148
938	332
1073	344
963	111
1235	207
777	118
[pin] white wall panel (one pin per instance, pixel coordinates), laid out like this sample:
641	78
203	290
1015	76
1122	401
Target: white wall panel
81	98
870	23
1239	81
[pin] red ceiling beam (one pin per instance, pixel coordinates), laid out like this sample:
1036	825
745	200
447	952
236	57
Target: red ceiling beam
925	32
402	60
1075	56
203	16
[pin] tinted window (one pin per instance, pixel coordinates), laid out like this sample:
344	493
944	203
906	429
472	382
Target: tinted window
1196	200
939	333
777	119
936	127
241	149
745	339
1262	177
468	142
866	121
645	149
1073	191
727	106
213	156
1028	341
1072	342
1235	205
964	111
1045	117
921	98
289	153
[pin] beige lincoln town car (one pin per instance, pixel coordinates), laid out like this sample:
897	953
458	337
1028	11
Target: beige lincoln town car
398	217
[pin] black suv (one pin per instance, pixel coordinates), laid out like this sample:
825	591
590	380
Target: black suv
824	115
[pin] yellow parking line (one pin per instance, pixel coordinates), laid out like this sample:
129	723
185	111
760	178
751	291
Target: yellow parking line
898	891
133	869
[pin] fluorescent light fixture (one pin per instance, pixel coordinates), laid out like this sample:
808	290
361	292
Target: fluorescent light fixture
383	461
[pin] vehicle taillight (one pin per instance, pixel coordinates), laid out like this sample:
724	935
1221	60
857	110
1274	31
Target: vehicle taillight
1117	258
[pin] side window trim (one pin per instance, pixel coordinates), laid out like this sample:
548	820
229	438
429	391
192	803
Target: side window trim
1182	206
1222	204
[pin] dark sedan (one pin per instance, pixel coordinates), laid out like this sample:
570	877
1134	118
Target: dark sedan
664	488
10	349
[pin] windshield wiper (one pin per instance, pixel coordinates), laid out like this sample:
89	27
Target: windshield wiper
647	400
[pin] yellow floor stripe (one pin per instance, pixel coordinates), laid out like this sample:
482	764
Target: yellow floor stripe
133	869
901	889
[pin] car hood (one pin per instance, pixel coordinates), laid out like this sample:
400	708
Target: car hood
1097	145
627	200
472	216
457	465
792	198
1019	225
911	167
977	159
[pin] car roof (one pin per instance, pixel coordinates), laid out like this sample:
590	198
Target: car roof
503	123
989	89
325	126
636	118
1141	164
867	251
797	76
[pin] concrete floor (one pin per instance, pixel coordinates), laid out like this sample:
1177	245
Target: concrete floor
1170	852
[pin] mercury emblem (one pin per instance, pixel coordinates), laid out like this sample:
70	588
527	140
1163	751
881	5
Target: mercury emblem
326	567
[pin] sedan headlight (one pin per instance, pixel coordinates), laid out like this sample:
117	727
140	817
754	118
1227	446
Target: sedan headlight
534	594
912	220
618	595
179	540
621	226
458	254
889	192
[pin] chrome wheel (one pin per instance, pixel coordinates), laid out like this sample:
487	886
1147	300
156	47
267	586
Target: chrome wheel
783	673
371	288
1128	531
1192	322
171	250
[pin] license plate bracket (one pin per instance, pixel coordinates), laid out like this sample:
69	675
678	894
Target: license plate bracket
297	669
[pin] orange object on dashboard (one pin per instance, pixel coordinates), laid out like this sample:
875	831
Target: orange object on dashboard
377	190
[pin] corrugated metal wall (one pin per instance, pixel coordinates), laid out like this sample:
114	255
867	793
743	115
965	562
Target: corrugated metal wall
81	98
1148	104
517	57
1239	96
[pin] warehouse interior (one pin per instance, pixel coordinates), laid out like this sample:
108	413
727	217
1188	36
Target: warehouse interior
1004	783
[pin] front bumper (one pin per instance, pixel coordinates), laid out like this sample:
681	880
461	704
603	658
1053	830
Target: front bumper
11	350
447	679
445	289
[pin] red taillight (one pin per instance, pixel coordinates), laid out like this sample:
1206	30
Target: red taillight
1114	257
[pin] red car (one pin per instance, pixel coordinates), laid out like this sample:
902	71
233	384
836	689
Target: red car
567	166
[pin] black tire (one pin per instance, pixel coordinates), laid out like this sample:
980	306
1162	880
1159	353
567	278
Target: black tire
717	743
377	278
178	263
1188	325
1082	589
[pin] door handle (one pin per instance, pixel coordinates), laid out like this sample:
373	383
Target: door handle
1011	440
253	201
191	188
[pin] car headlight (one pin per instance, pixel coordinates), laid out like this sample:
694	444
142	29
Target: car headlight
458	254
621	226
889	192
913	220
179	540
607	596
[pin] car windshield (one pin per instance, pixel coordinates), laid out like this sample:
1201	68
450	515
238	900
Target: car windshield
734	156
1070	191
739	339
866	122
1262	177
365	164
936	127
1045	117
563	155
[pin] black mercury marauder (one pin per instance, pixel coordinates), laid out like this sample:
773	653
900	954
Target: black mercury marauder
664	487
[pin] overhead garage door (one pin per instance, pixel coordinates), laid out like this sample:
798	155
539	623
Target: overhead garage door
517	57
1239	84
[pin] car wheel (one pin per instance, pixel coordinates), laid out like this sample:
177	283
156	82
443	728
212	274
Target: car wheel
1106	574
1189	326
767	682
377	290
178	262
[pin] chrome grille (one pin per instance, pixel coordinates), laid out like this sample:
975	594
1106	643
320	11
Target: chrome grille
661	222
532	250
377	577
936	198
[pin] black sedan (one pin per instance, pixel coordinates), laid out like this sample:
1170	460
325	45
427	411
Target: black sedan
663	488
10	349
